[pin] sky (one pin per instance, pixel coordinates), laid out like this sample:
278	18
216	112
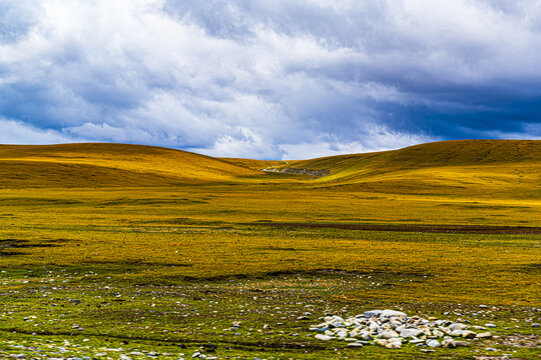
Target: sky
269	79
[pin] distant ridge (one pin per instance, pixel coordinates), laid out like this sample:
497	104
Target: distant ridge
104	164
456	167
459	166
442	153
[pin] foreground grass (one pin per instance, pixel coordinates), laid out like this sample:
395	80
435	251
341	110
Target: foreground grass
170	271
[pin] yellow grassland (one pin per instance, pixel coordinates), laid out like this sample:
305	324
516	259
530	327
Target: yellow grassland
186	215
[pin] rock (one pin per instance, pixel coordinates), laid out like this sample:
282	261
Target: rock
336	324
388	334
477	327
366	336
458	326
490	349
535	325
407	333
468	334
393	313
372	313
384	314
393	345
303	318
433	343
449	343
485	335
323	337
381	342
490	325
391	328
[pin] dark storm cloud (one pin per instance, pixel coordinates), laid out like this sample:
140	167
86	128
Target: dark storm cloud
269	79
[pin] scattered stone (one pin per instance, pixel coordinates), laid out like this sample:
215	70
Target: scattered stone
433	343
391	329
323	337
388	334
477	327
381	342
449	343
458	326
393	345
456	333
411	332
490	325
535	325
485	335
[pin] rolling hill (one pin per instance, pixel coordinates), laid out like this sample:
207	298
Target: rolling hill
459	166
102	164
511	167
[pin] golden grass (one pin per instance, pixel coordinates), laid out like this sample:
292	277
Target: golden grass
214	230
97	164
211	224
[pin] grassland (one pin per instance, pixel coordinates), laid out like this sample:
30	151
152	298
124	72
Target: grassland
161	252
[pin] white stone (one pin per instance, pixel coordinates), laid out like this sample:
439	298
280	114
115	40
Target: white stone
458	326
406	333
323	337
433	343
393	345
456	332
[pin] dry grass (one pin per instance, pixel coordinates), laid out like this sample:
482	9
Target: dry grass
159	217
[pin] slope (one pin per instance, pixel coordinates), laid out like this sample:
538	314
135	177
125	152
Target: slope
475	166
101	164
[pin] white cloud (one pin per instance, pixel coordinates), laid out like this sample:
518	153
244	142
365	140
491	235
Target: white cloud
14	132
375	138
268	78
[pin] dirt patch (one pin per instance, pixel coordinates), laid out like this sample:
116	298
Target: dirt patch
24	244
436	228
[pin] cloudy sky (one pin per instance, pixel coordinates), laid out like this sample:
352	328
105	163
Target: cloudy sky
266	79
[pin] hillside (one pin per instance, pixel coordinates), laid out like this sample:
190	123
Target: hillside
100	164
447	166
505	167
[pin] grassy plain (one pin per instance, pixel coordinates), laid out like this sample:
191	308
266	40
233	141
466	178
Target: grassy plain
114	246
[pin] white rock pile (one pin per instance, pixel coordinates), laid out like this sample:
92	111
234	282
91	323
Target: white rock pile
392	329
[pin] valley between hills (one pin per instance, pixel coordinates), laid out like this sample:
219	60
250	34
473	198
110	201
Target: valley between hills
116	251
